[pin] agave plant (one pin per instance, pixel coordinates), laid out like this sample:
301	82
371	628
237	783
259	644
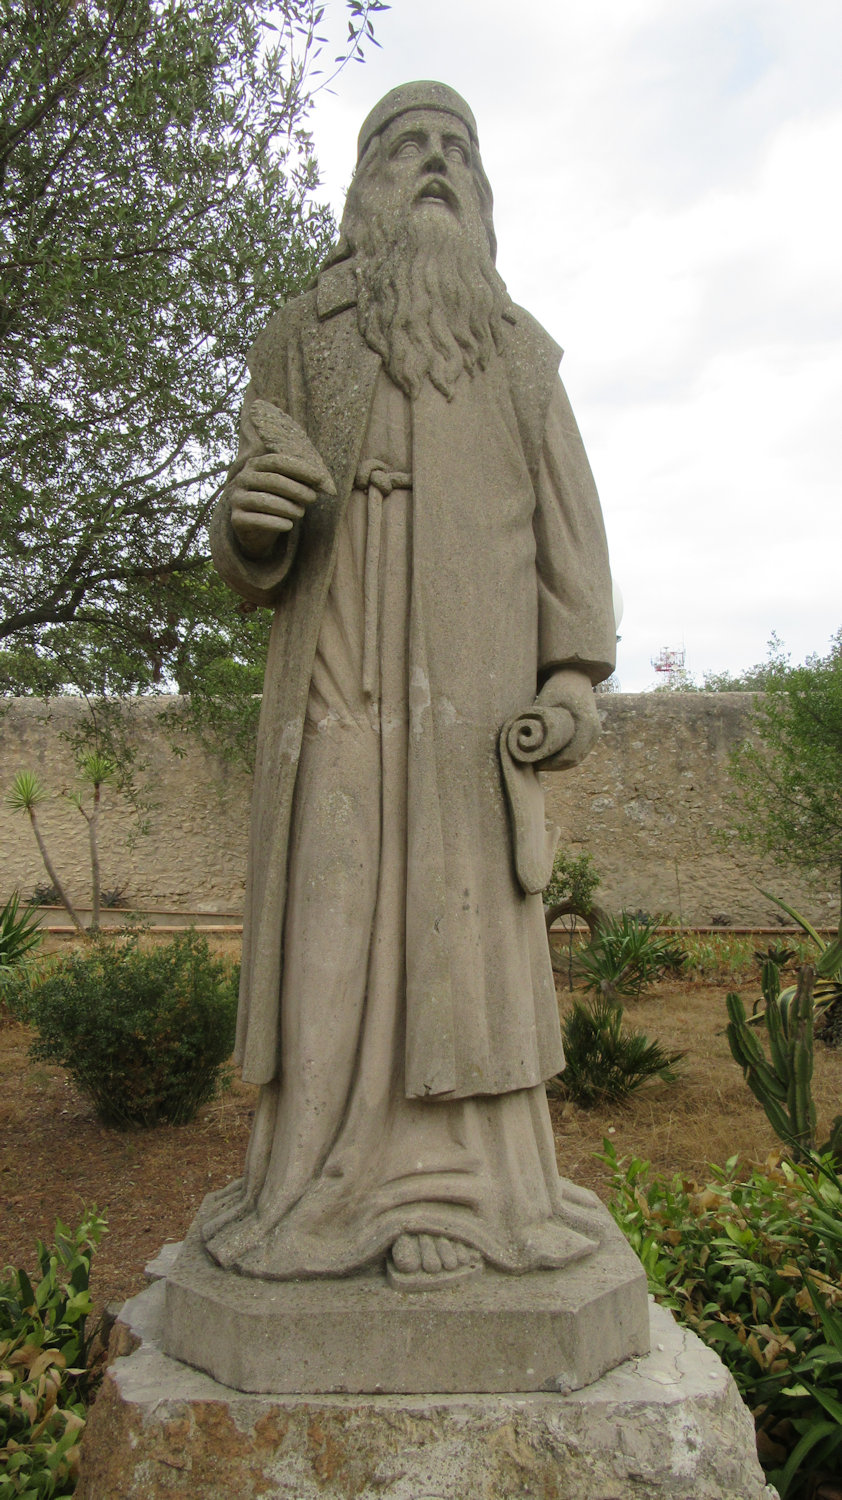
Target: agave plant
19	934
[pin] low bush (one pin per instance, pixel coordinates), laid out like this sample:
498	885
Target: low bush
43	1357
626	954
569	896
144	1033
605	1062
753	1264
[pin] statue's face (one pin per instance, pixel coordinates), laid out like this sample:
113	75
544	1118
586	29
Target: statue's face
425	164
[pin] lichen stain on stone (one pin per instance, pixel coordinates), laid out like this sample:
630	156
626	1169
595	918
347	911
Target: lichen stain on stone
270	1430
329	1458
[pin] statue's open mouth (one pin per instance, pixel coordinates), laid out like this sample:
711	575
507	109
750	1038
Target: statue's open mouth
438	191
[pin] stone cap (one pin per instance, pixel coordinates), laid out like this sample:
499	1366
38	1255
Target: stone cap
423	94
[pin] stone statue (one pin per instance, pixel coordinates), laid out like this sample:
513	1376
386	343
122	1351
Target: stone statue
413	500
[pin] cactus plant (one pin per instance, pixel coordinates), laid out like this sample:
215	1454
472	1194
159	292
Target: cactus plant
784	1085
827	989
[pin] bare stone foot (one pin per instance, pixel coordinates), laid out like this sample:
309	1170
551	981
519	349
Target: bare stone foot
421	1262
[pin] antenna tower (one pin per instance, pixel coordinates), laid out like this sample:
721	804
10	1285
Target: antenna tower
669	663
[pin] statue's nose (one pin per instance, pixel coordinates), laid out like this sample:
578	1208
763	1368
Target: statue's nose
436	161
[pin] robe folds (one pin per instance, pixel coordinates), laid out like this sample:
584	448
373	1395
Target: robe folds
499	625
397	1000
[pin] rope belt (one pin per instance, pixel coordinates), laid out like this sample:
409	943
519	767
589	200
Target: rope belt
379	481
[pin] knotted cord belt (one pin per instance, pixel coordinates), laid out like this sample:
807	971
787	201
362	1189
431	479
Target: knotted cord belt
379	480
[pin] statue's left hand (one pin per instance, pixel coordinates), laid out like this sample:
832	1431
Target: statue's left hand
571	689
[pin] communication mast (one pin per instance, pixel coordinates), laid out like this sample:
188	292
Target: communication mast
670	664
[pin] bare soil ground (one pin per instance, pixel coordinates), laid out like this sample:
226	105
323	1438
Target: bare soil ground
56	1158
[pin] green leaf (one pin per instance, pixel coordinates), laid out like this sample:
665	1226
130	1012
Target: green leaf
800	921
782	1478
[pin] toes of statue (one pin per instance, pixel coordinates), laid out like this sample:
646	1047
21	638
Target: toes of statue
466	1255
430	1258
447	1253
406	1255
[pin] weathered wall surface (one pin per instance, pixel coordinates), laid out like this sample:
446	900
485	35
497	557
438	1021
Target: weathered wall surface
646	804
193	855
650	805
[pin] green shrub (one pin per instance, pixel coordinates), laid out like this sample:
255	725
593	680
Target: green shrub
754	1266
573	881
605	1063
143	1033
570	895
627	954
43	1354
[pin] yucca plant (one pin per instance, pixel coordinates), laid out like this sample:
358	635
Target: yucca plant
27	793
627	954
95	770
605	1062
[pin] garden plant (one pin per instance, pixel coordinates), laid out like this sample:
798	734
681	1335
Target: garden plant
626	954
95	770
753	1264
784	1085
570	895
19	937
44	1345
144	1033
604	1061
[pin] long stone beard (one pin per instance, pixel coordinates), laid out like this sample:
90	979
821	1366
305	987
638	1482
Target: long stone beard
429	300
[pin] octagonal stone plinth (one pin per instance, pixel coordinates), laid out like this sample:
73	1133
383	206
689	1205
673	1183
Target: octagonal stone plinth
546	1331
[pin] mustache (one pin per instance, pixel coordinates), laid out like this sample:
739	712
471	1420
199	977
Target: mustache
439	189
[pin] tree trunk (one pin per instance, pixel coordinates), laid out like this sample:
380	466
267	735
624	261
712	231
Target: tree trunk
92	840
48	866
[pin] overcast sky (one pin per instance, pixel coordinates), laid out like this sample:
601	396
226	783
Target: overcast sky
666	177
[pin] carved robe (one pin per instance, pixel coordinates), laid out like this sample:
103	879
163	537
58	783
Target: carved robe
397	999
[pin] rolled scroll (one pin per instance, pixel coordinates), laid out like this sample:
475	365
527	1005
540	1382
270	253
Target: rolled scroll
539	733
527	741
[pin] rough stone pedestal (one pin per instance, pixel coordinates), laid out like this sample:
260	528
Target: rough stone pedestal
667	1426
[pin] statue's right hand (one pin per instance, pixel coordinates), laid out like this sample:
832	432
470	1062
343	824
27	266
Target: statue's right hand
267	497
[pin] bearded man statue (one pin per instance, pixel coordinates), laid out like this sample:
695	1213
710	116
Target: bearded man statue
413	500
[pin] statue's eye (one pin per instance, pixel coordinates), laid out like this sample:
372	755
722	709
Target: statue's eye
407	149
457	153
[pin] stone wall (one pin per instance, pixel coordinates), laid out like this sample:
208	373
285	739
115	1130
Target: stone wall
192	855
650	804
647	804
